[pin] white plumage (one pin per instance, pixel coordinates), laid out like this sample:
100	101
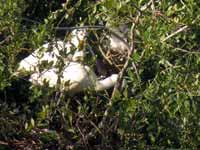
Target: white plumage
117	45
74	78
118	40
50	52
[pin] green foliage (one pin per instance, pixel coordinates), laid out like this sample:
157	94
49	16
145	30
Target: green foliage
158	109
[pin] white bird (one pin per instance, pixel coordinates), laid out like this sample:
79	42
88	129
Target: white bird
75	77
50	52
118	42
117	45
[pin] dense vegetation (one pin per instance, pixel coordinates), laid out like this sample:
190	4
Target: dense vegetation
157	108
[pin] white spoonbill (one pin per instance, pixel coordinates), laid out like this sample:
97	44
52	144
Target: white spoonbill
50	52
75	77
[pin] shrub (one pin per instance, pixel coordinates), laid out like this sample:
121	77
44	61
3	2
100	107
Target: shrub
156	108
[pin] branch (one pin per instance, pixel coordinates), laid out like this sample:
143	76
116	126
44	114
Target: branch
81	27
119	80
184	50
175	33
153	6
131	50
117	85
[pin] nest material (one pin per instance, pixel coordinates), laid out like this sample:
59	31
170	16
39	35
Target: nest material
116	52
112	53
118	59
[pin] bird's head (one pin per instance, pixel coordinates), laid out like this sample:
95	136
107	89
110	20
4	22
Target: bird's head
80	34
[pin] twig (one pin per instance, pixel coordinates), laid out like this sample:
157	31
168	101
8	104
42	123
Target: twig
136	71
83	136
59	95
183	50
6	39
102	53
25	49
3	143
104	56
174	33
106	112
186	51
153	6
97	129
118	83
30	20
145	6
23	18
119	80
81	27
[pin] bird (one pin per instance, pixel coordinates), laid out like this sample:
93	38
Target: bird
118	39
117	48
74	78
118	44
51	53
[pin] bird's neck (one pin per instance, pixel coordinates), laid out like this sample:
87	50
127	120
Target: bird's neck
105	84
75	41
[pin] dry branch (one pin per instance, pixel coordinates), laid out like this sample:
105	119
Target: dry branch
118	84
175	33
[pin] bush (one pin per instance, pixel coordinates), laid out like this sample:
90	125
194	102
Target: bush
156	108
